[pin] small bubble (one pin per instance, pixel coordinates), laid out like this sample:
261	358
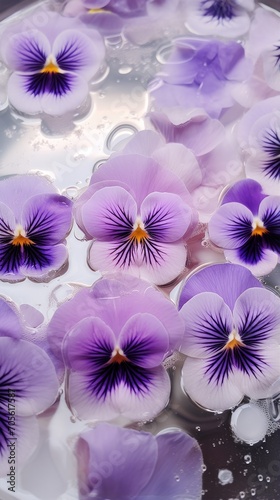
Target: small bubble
242	494
225	476
198	428
177	478
260	477
267	479
73	419
124	70
203	467
247	459
253	491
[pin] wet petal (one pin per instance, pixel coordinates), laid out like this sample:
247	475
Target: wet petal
247	192
89	345
11	259
10	320
208	323
38	261
26	51
28	372
231	226
47	218
65	94
109	214
118	454
269	213
107	23
211	394
226	280
178	471
166	218
144	340
7	224
259	260
75	51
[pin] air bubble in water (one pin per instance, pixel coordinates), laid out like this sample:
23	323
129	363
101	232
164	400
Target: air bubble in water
247	459
241	423
225	476
125	70
164	53
119	135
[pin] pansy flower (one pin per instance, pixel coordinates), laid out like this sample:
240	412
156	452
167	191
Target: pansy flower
215	148
201	73
226	18
231	339
139	215
34	221
28	386
51	68
116	462
116	336
247	227
258	133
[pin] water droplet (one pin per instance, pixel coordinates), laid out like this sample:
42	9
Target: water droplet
267	479
163	53
115	41
203	467
260	477
253	491
177	478
73	419
241	423
225	476
125	70
198	428
100	76
119	135
247	459
242	494
72	192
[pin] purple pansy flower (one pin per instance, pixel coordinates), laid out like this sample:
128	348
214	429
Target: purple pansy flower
232	334
139	215
201	73
116	337
115	462
52	67
247	227
28	386
34	221
226	18
258	133
215	148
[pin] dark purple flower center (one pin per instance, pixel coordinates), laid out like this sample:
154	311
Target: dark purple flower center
219	9
271	146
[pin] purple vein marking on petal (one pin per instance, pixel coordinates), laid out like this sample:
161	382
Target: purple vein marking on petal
10	258
32	56
157	220
215	327
70	57
271	221
253	250
219	9
57	84
271	146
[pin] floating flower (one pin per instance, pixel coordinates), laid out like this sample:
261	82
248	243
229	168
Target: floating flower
258	133
51	68
232	334
116	337
139	215
28	386
216	150
226	18
138	464
247	227
34	221
201	73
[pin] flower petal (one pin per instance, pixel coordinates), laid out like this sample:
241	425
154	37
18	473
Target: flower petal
269	213
208	323
166	217
227	280
21	99
76	52
109	214
89	345
38	261
10	320
247	192
28	372
144	340
210	394
107	23
26	51
108	455
231	226
7	224
64	95
259	260
179	458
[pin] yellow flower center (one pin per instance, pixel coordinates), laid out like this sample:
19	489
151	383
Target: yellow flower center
258	228
20	238
51	66
95	11
234	340
139	233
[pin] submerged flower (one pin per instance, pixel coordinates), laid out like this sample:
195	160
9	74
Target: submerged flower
247	227
258	133
201	73
51	68
232	334
115	462
227	18
116	337
28	386
139	216
34	221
